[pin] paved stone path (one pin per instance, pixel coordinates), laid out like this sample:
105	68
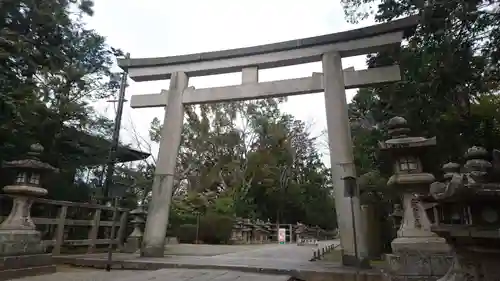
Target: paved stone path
273	252
271	258
162	274
209	250
204	275
204	263
84	275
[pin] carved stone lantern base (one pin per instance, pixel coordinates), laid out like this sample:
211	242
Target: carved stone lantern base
429	244
474	265
23	254
418	253
422	258
20	242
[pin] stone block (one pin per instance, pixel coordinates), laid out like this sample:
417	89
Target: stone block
25	265
20	242
417	265
17	262
11	274
393	263
440	264
428	245
408	265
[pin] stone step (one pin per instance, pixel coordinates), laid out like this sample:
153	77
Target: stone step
9	274
25	261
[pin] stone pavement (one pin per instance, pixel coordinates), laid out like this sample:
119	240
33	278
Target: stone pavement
204	275
270	258
210	250
211	262
84	275
163	275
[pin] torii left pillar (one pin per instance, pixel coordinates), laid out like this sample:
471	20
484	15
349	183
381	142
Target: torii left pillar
153	243
352	236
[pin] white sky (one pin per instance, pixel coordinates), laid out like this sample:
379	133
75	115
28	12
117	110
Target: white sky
151	28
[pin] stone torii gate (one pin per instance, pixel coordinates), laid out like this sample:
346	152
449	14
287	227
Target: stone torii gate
329	49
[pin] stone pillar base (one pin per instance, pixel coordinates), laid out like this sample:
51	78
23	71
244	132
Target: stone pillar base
12	267
430	244
350	260
22	254
20	242
422	258
153	252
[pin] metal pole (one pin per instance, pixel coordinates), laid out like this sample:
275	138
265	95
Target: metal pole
351	190
112	236
354	233
197	226
116	133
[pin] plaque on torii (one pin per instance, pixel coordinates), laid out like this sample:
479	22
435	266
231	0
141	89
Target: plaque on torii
329	49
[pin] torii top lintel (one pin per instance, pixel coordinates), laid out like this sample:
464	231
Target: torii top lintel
348	43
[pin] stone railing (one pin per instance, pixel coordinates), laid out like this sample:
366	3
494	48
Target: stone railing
70	226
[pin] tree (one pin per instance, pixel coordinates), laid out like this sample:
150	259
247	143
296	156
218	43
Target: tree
450	71
450	81
51	68
258	162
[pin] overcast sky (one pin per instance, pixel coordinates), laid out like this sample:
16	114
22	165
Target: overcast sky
151	28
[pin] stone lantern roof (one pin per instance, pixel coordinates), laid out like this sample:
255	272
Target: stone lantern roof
405	152
32	162
28	172
400	142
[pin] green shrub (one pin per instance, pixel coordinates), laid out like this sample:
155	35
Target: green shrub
186	233
215	228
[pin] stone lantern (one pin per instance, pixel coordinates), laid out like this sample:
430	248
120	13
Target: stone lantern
417	252
19	227
469	216
134	240
21	250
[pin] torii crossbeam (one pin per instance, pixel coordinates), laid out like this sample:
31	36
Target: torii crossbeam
333	81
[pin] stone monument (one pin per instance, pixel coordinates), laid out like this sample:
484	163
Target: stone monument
418	253
21	250
469	216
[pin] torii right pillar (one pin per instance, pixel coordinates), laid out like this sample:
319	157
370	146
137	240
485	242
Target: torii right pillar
349	218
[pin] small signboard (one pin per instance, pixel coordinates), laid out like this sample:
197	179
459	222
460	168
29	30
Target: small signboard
282	235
